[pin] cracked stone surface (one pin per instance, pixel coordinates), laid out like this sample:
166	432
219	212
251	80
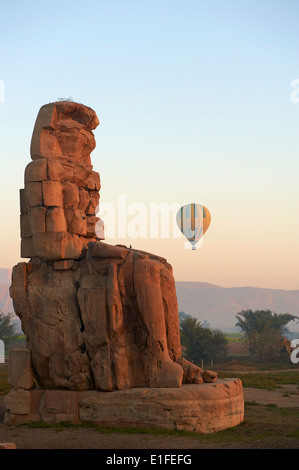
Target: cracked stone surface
110	323
95	316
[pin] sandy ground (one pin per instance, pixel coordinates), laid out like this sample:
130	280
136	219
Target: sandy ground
275	397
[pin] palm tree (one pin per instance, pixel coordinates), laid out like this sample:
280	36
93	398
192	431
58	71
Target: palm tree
201	343
218	345
190	337
263	331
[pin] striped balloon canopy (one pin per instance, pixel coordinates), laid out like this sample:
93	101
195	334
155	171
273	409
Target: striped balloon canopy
193	221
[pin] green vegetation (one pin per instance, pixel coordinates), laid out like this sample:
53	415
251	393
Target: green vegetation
7	328
264	380
263	332
261	340
15	342
201	343
234	337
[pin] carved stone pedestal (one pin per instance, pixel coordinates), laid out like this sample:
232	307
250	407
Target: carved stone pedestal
201	408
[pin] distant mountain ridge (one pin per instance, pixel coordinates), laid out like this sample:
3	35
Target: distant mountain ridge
5	276
219	305
215	304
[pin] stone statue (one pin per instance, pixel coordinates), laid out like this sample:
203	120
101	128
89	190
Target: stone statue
61	194
95	316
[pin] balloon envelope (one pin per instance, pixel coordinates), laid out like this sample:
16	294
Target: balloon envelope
193	221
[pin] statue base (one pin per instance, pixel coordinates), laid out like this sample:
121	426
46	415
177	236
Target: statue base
201	408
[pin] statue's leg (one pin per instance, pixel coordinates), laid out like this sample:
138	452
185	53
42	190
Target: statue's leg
162	371
171	312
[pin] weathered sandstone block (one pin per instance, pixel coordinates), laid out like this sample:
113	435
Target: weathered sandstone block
84	199
204	408
70	195
55	220
37	217
52	193
20	373
7	445
23	202
209	376
60	178
56	172
76	221
110	323
27	247
58	245
25	225
63	264
91	223
36	171
18	401
94	182
33	194
94	199
57	134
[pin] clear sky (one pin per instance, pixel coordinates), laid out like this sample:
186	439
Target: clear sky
194	100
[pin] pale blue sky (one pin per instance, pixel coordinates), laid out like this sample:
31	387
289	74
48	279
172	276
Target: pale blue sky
194	103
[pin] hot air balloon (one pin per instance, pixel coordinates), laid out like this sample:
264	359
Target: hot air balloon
193	221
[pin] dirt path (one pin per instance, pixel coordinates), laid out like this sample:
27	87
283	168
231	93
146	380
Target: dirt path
285	397
84	438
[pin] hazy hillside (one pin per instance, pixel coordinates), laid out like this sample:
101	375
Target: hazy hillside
219	305
5	276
